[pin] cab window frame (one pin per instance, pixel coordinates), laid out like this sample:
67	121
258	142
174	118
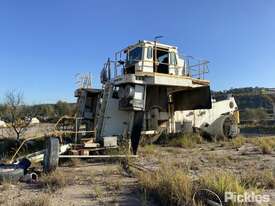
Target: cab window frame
149	52
173	59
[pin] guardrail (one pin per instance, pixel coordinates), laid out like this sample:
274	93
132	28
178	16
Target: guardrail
193	68
196	68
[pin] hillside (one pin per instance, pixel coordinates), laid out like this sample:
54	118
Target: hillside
246	98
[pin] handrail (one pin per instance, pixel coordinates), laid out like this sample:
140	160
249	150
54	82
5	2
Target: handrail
196	70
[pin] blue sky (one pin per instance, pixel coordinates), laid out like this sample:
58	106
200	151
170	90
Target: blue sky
43	44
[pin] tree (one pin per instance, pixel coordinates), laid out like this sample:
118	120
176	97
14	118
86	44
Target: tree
48	111
2	110
16	114
63	108
44	111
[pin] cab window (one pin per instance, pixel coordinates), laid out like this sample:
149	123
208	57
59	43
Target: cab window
162	59
134	55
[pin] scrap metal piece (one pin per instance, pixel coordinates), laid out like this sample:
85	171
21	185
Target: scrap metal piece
30	178
110	141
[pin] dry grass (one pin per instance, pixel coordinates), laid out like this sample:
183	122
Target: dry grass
186	165
220	182
224	181
41	200
110	171
97	192
5	185
238	141
266	148
74	162
258	179
2	201
149	149
113	185
172	150
171	184
53	181
266	144
218	159
167	186
186	141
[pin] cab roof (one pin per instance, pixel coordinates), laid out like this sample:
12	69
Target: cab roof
147	43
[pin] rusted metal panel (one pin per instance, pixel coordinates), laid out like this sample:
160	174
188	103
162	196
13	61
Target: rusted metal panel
196	98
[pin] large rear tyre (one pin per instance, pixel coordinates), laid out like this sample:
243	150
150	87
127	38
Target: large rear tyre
225	127
10	173
51	155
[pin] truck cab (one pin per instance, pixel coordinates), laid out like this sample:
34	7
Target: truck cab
148	56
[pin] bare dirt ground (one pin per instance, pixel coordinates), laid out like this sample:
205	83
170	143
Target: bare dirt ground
88	184
95	183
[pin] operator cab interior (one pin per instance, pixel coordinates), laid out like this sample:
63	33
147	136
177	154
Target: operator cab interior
161	61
